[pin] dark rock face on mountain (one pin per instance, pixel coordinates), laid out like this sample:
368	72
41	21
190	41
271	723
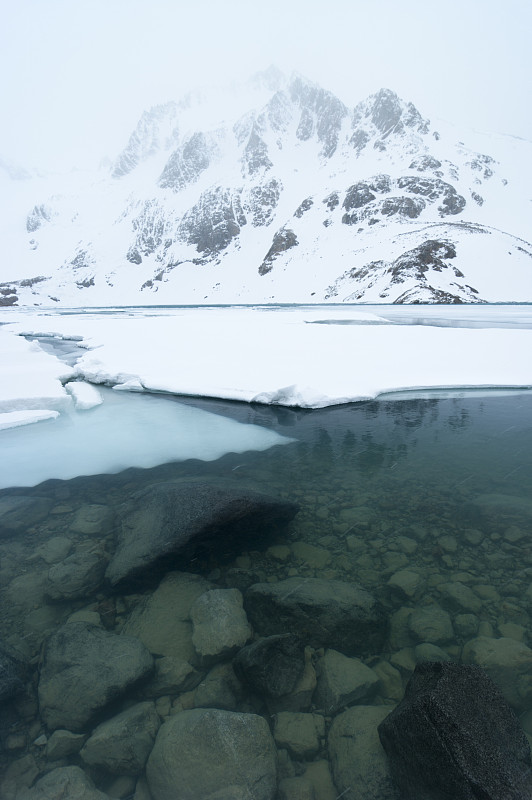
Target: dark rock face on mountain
298	160
147	138
214	221
321	113
483	164
418	265
453	737
409	207
433	189
262	201
8	296
283	240
425	163
357	196
388	114
255	157
169	522
150	228
186	163
361	203
37	216
304	206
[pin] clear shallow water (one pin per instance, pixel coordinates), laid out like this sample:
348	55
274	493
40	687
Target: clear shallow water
440	487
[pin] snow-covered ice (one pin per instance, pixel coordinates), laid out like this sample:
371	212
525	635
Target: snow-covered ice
280	355
85	395
30	378
303	357
15	419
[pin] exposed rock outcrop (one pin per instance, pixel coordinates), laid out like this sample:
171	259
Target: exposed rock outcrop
282	241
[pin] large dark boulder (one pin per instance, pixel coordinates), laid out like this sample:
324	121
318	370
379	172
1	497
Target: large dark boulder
324	613
85	668
454	737
166	525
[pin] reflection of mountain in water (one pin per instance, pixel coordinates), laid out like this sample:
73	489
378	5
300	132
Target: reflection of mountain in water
375	431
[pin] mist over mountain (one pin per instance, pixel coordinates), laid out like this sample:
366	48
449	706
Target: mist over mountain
275	191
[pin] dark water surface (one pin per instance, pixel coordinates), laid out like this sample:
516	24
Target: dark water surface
437	487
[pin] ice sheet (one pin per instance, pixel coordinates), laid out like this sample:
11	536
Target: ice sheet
15	419
275	356
30	378
84	394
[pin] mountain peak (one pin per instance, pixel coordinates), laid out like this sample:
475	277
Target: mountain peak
271	78
390	114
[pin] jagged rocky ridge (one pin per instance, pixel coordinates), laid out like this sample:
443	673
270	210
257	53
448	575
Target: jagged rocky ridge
300	199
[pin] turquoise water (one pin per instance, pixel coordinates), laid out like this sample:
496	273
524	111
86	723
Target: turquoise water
438	487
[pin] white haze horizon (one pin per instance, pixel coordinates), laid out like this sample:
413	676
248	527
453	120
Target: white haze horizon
81	74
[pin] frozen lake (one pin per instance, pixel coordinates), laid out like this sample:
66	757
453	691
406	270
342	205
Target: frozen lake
293	356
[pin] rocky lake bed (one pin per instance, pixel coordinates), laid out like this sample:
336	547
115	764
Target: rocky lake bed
247	629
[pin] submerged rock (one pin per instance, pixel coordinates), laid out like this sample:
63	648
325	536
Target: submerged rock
359	764
210	754
503	505
299	733
172	676
162	620
343	681
93	519
85	668
19	512
79	575
64	743
431	624
325	613
509	665
453	737
172	522
219	689
122	744
67	782
220	625
13	674
272	666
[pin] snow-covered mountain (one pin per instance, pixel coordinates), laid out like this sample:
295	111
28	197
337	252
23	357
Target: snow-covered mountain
278	192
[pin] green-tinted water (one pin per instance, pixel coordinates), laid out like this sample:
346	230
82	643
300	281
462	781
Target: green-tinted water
425	503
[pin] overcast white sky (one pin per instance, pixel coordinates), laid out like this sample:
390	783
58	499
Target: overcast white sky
77	74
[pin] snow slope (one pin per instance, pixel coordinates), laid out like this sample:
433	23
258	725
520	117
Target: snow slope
275	191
